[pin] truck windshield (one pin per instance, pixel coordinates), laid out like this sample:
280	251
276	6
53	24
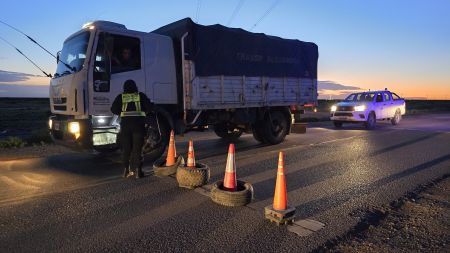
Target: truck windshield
361	97
73	53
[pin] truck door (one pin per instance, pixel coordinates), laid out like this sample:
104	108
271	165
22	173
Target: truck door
118	58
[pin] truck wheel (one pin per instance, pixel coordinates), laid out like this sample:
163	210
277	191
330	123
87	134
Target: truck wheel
154	143
257	132
397	117
371	121
275	127
227	133
337	124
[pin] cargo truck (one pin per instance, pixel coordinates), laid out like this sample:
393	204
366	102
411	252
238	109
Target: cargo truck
197	76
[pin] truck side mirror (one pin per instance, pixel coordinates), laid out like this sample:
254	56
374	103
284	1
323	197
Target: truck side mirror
58	55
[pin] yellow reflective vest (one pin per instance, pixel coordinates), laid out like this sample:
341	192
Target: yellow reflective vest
131	98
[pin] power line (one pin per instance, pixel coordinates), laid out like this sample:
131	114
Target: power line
235	11
197	13
20	52
34	41
265	14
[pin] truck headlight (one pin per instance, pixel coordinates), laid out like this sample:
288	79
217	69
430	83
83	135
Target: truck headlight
101	120
50	124
74	128
359	108
333	108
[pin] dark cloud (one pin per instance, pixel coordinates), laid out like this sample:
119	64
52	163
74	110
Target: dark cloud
330	85
10	77
20	90
330	89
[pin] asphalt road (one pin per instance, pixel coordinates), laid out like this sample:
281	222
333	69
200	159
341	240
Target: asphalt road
78	202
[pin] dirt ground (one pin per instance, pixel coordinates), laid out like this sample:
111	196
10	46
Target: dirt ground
419	222
32	152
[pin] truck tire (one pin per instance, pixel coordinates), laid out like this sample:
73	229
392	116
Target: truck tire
257	133
337	124
227	133
152	153
397	117
275	127
371	121
193	177
241	197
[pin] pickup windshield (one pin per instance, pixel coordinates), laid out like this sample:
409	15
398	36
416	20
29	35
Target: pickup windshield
73	53
361	97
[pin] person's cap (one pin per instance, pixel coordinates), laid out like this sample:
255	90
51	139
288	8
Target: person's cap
130	86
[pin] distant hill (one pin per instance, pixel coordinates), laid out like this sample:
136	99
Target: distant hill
25	91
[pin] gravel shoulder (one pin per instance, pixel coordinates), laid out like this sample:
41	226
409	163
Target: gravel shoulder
32	152
418	222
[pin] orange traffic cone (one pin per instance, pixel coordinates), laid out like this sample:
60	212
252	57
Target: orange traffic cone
280	212
229	182
191	156
280	198
172	152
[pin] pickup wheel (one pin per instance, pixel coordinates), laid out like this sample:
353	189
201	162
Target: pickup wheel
275	127
397	117
337	124
371	121
226	132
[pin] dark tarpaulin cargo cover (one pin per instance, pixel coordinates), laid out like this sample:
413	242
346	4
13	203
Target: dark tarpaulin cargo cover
219	50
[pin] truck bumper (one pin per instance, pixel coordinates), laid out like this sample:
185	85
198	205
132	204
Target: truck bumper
88	137
348	116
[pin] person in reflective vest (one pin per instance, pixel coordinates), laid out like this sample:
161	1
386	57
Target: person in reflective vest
132	106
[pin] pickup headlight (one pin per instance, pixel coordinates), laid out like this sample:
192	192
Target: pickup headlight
360	108
333	108
50	124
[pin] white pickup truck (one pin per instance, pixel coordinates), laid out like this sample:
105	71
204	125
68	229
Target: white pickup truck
367	108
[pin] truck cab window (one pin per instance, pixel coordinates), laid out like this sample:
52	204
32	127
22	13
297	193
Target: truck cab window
126	55
387	97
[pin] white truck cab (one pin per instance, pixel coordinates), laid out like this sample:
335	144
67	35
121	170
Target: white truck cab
367	108
81	94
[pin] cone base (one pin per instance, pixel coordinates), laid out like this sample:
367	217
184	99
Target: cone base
280	216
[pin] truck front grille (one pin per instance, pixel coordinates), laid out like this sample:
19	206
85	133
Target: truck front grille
60	107
58	101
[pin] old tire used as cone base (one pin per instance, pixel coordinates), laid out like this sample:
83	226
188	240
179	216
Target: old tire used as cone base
241	197
191	177
280	216
160	168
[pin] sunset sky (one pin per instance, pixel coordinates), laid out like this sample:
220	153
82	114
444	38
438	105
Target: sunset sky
403	45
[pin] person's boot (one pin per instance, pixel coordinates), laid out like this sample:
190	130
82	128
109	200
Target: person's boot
125	172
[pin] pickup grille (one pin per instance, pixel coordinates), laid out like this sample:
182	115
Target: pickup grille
345	108
343	114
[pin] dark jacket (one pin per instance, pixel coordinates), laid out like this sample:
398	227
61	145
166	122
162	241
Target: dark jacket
146	106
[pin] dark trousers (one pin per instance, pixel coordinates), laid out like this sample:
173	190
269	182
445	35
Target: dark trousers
132	138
